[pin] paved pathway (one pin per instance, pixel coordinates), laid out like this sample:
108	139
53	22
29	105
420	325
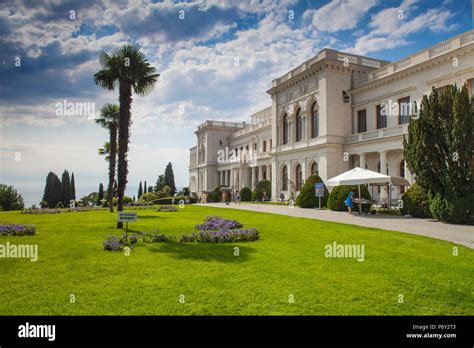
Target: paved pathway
459	234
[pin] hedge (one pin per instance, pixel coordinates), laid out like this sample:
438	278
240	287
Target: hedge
338	196
307	197
168	200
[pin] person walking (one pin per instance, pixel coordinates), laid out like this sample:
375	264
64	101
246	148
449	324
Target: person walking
282	198
237	197
349	201
264	198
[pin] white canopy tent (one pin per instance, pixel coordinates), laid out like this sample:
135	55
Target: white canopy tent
359	176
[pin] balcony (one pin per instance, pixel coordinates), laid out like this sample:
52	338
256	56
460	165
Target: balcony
251	128
377	134
417	58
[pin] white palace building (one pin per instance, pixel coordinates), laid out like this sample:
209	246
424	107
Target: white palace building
334	112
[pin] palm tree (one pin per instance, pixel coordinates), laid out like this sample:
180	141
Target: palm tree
127	69
109	119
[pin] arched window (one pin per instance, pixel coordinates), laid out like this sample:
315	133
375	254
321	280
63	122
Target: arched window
314	169
285	129
299	125
299	177
284	179
402	174
314	120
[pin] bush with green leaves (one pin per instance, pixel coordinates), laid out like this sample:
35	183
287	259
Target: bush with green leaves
10	199
307	197
246	194
169	200
261	187
416	202
338	196
455	211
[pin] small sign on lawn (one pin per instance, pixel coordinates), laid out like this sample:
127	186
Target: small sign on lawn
319	189
127	216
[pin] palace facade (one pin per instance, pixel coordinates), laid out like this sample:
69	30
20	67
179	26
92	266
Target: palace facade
334	112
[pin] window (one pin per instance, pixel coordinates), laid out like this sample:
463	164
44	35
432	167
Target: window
270	147
255	146
284	179
470	87
285	129
361	121
299	177
314	169
404	110
299	126
264	146
381	119
440	90
402	174
314	120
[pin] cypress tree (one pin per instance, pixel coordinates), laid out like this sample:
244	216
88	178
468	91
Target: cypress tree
101	194
73	188
140	190
439	152
169	178
160	183
56	192
145	190
65	188
150	189
46	201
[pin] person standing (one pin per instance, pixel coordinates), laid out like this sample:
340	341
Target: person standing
349	201
237	197
282	198
264	198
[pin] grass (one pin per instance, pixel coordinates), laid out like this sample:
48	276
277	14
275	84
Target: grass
287	260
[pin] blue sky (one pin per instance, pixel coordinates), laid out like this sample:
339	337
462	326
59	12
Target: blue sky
195	57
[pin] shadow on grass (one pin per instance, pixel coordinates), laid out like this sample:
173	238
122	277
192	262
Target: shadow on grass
206	252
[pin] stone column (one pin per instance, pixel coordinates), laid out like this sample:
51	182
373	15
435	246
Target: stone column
383	170
362	160
252	184
269	172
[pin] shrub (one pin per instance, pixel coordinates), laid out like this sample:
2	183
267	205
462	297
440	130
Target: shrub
217	194
59	205
455	211
114	243
246	194
17	230
260	187
10	199
307	197
415	202
338	196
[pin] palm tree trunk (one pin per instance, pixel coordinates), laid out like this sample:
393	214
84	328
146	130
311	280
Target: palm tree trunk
112	160
125	98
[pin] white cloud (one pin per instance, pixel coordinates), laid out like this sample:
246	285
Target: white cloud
339	15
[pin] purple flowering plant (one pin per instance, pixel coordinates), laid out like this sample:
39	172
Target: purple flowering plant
17	230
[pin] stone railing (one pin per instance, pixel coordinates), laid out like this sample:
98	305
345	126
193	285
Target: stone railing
417	58
377	134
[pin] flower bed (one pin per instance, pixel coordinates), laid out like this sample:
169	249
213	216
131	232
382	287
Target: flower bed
214	222
114	243
17	230
167	208
60	210
222	236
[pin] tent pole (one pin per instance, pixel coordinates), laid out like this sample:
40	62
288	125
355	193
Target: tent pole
360	204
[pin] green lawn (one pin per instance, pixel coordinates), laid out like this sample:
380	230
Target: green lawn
288	259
